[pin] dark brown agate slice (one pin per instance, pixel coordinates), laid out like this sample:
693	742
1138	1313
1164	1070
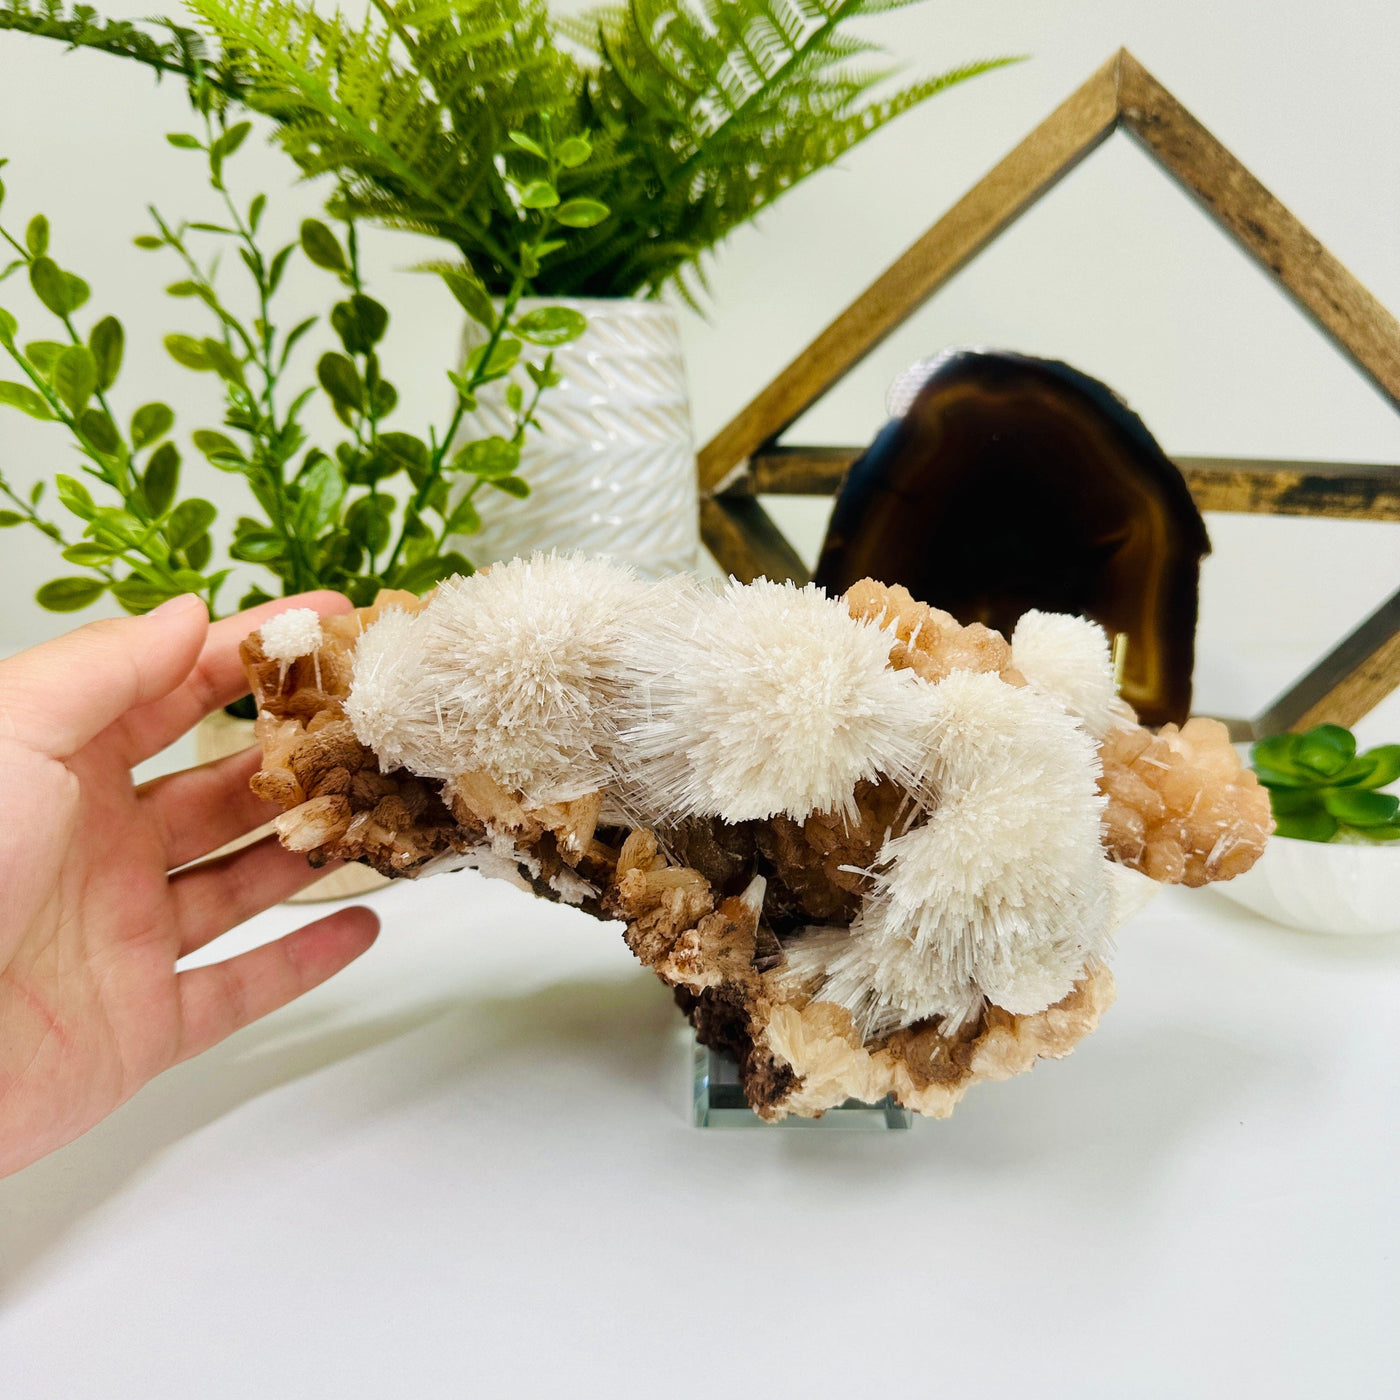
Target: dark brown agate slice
1015	483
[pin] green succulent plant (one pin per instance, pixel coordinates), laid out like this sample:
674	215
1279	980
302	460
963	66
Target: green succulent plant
1320	788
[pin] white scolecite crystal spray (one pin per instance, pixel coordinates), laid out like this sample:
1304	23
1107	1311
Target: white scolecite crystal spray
766	699
513	672
1068	658
387	705
1004	893
291	635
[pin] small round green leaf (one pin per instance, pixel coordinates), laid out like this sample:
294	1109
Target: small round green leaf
405	450
368	522
75	377
502	360
10	518
51	286
107	343
9	327
150	423
36	236
488	457
573	151
183	141
222	451
471	296
186	350
341	380
372	318
258	546
161	477
231	140
69	594
99	430
74	496
527	144
581	213
383	399
78	290
138	595
89	555
512	485
200	552
223	361
22	397
551	325
539	194
188	521
426	572
321	246
43	354
465	519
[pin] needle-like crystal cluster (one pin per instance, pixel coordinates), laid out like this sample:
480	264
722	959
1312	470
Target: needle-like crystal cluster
291	635
1002	894
873	851
1067	658
515	673
767	699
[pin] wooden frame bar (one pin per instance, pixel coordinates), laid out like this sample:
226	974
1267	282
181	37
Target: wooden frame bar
744	459
1234	485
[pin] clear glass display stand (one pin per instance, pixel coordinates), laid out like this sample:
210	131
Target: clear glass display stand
719	1103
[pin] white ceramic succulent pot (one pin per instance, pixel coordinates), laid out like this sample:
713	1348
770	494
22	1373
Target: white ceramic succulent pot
612	473
219	735
1324	887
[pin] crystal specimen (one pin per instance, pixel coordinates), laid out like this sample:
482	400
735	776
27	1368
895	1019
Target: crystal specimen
1011	484
871	850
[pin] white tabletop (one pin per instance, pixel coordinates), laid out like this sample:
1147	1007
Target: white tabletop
465	1167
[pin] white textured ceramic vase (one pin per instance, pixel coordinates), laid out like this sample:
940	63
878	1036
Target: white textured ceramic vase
612	473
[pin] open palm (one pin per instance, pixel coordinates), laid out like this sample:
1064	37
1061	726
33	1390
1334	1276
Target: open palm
98	896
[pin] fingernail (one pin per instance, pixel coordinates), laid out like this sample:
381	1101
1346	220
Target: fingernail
173	605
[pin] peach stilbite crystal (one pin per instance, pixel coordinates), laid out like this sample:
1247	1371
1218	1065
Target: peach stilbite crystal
1182	808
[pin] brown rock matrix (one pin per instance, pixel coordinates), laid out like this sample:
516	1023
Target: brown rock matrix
714	908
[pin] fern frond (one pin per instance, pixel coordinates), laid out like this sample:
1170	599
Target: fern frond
184	54
700	113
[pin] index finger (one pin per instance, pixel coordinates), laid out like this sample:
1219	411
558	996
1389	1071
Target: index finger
55	698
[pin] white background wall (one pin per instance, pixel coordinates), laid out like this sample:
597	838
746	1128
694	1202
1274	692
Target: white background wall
1116	271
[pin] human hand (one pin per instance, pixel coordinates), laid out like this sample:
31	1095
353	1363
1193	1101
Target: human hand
92	920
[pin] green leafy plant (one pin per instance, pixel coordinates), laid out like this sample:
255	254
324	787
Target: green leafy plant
652	129
378	508
1321	788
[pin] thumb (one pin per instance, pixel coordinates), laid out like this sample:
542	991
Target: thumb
59	696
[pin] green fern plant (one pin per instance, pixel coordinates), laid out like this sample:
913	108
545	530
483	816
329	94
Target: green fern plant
674	121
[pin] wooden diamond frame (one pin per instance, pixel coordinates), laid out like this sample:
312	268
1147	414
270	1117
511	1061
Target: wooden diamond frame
745	458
